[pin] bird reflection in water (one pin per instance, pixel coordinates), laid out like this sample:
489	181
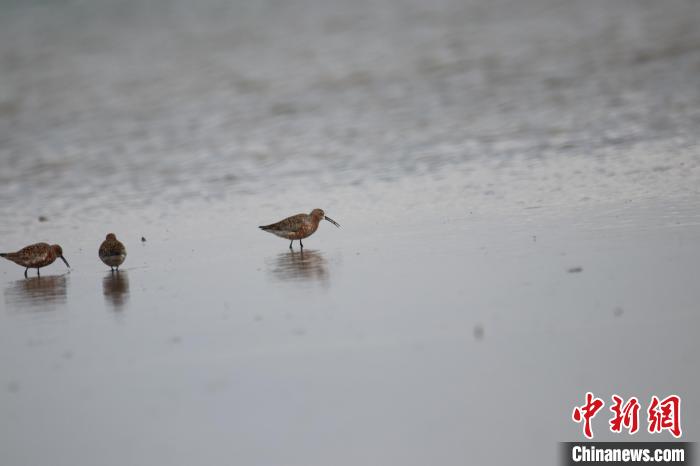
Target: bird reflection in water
38	293
305	265
115	287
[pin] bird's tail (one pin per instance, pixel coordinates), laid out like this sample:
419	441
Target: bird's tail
3	254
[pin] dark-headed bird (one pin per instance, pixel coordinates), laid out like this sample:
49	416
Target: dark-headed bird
112	252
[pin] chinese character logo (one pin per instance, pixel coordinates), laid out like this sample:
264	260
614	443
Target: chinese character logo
661	414
587	412
626	416
665	415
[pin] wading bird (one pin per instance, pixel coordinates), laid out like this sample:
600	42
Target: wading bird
36	256
112	252
298	227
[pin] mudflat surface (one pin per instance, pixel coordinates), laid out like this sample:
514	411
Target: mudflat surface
518	189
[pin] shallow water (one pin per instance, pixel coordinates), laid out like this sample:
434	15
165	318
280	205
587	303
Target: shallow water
476	155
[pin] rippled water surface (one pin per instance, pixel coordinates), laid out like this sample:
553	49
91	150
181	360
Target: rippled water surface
518	184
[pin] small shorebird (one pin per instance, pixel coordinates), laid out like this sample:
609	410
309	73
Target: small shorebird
298	226
112	252
36	256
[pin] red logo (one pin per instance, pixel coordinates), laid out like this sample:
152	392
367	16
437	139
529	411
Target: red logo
587	412
626	416
665	415
661	414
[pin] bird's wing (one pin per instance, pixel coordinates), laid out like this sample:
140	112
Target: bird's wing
33	253
288	224
38	251
112	248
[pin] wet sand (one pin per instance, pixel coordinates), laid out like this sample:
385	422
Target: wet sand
380	343
518	190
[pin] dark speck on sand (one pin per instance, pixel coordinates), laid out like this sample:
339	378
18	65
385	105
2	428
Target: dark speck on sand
479	332
575	270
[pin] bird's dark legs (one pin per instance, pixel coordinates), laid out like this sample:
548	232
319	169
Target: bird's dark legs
301	245
111	269
25	272
37	272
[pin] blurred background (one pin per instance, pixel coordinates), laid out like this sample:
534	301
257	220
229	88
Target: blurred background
477	153
123	104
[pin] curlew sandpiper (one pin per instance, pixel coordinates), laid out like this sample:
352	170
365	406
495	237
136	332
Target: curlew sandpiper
298	227
36	256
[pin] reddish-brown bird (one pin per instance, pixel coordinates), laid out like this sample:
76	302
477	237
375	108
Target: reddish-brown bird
298	227
36	256
112	252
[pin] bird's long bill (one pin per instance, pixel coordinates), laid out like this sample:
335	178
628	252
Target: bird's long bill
66	262
332	221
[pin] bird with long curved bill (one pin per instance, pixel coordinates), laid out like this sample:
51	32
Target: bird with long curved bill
298	227
36	256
